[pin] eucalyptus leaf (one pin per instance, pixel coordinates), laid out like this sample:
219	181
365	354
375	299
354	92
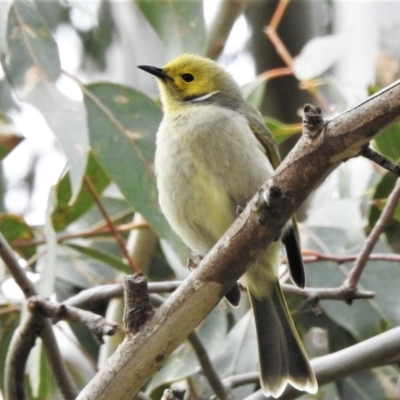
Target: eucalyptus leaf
65	213
32	66
102	256
280	131
122	124
318	55
15	229
388	142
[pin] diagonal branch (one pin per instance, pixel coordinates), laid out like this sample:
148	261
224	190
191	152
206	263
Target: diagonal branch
385	217
257	226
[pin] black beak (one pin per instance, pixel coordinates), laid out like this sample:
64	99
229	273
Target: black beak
158	72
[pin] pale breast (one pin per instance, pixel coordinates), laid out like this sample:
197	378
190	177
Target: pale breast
207	162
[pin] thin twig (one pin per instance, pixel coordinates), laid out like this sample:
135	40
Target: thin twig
279	46
98	231
311	256
92	297
97	325
369	244
271	32
278	14
52	351
336	293
235	381
381	160
110	224
207	367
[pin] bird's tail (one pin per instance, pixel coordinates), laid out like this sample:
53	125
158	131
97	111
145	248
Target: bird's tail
282	357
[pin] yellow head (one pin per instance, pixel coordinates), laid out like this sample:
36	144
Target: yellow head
189	79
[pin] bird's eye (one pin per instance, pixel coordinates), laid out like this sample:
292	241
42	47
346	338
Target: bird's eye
188	77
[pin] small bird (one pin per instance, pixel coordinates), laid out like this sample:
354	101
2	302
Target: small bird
213	152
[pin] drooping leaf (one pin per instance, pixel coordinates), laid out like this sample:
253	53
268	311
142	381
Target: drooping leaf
179	24
32	66
122	124
102	256
280	131
66	213
16	231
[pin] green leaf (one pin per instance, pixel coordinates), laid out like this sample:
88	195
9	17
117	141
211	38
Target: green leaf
102	256
15	229
9	138
280	131
388	142
122	125
64	213
179	24
32	66
32	51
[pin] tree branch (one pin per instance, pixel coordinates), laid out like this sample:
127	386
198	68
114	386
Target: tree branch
44	329
311	256
221	26
381	160
385	217
256	227
110	224
97	325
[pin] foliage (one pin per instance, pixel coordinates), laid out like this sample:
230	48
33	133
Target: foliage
108	138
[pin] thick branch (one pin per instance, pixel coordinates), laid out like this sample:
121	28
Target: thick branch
296	177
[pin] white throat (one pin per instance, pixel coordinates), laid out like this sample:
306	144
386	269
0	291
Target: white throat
204	97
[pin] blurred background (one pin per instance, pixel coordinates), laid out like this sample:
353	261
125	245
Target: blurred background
69	87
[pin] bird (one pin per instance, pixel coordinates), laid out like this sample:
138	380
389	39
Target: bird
214	151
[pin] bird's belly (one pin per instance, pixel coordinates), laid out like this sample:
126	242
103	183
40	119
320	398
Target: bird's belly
194	203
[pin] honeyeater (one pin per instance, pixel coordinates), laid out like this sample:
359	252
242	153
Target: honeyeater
213	152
